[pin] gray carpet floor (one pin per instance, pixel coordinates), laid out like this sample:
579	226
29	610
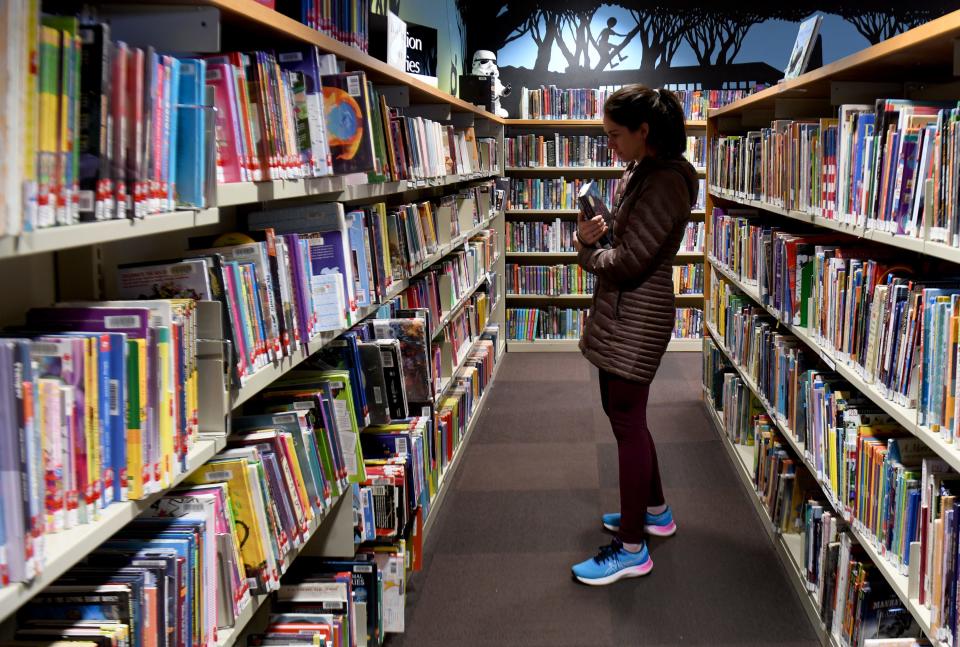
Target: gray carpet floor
525	505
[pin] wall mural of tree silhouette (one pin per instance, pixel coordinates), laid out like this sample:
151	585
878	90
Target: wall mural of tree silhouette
380	6
597	54
880	23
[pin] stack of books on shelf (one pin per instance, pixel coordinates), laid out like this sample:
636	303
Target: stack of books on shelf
294	127
99	129
688	279
150	143
530	324
696	150
696	103
688	323
888	320
555	193
882	167
450	281
348	23
560	151
823	525
553	236
100	408
692	238
700	203
565	323
305	270
551	102
552	280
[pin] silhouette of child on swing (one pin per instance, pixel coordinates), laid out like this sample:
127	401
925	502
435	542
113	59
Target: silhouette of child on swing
606	47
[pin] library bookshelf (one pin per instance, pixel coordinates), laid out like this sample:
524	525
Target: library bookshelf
916	65
74	262
566	217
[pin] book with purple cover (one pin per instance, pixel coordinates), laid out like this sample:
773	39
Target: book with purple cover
331	252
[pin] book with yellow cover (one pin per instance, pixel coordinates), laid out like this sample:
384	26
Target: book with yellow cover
48	114
233	472
136	417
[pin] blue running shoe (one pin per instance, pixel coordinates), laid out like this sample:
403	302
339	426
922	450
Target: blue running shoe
613	563
611	521
660	525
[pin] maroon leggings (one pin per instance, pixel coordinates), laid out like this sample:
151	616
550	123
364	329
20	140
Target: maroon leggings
625	403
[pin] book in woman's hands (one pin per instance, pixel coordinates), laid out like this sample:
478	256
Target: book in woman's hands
591	204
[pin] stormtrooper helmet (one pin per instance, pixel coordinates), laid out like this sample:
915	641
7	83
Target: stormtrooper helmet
485	63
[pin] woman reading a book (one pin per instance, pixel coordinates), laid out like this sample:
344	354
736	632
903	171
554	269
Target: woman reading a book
632	316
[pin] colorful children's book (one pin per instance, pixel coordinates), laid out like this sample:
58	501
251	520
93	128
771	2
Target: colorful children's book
345	105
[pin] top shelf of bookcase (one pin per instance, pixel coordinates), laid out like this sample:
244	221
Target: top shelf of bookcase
243	17
925	53
578	123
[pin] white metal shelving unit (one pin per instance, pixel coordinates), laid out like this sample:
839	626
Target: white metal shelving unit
55	239
66	549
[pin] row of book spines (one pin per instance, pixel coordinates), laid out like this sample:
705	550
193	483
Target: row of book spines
82	76
124	382
276	125
548	279
856	334
857	170
555	193
693	237
869	510
380	263
553	102
184	389
425	292
587	103
697	103
688	323
402	147
798	393
688	278
696	150
528	324
556	236
559	150
347	22
389	145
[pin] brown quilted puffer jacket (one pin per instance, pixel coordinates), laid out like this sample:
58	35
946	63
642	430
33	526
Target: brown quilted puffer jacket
633	310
